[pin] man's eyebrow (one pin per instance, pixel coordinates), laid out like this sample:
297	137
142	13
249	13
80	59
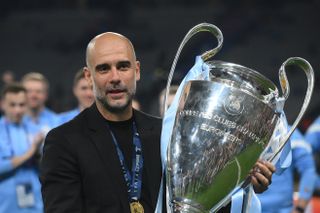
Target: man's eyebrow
126	62
101	66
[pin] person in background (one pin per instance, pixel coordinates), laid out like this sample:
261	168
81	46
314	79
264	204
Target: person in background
37	87
279	197
84	94
19	184
312	136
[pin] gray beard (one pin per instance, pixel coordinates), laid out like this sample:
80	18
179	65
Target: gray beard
117	109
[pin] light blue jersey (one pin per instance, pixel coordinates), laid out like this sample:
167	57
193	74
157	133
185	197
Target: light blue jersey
45	121
313	135
313	138
67	116
20	190
279	197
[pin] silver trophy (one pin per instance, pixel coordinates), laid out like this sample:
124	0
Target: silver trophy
221	127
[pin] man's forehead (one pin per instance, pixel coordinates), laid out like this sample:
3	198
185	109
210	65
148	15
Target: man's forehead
33	82
111	48
112	58
35	85
12	96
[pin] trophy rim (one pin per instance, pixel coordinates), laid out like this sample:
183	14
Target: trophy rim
263	88
252	72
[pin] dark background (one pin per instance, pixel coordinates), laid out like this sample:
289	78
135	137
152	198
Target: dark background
51	37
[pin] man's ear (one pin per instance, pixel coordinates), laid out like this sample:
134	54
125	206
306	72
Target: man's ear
87	76
137	70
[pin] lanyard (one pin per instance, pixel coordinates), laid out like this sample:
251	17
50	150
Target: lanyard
10	143
134	178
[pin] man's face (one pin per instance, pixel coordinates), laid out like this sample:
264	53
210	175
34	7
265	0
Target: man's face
14	106
113	72
83	92
36	94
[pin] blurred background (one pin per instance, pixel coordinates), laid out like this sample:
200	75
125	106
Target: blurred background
51	37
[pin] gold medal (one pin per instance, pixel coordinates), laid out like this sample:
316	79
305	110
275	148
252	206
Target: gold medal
136	207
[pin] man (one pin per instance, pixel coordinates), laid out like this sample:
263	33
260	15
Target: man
279	196
37	87
19	184
87	162
84	94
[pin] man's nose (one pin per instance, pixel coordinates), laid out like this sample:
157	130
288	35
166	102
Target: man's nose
18	109
115	76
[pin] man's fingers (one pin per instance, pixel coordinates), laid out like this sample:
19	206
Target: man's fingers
266	168
261	175
259	185
261	179
270	166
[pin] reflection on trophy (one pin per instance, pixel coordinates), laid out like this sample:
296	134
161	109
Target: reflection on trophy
221	127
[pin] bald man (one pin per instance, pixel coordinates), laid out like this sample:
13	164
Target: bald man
90	163
107	159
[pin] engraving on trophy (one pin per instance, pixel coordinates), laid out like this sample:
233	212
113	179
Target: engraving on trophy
233	105
219	132
223	121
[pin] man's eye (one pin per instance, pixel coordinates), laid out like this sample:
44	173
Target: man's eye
102	68
123	66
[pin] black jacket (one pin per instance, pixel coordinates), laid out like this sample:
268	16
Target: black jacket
80	170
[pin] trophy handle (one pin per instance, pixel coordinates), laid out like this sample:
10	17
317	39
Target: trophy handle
203	27
307	68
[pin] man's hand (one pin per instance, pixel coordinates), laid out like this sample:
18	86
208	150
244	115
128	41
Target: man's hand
261	175
36	143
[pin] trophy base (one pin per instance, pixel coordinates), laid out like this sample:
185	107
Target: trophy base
186	206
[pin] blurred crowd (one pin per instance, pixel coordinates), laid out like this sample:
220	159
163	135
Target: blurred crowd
25	120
